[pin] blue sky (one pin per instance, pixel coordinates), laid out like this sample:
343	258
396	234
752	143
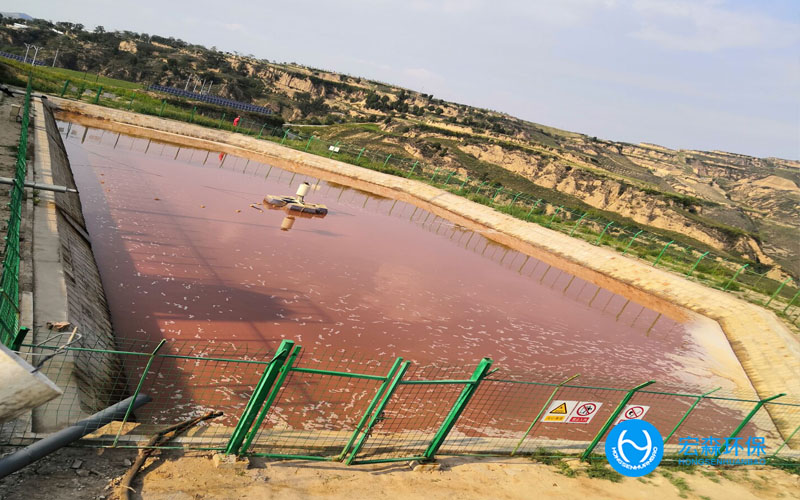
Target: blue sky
699	74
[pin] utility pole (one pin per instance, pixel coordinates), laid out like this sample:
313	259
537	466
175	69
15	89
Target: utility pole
209	87
187	83
27	48
56	56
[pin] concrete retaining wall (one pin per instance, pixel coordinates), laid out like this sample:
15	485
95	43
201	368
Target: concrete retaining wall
67	287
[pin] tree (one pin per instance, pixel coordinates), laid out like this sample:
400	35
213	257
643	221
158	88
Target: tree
99	30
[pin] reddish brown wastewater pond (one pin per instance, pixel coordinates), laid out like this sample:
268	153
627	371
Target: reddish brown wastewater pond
188	253
183	255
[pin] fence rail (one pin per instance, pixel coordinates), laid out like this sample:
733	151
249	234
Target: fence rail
698	262
333	405
10	333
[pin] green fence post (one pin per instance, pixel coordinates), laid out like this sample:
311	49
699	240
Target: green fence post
578	223
260	132
163	103
308	144
785	442
359	154
219	125
260	393
447	181
97	96
612	418
248	440
514	200
451	418
191	118
735	276
138	389
16	343
497	192
64	88
686	415
333	149
778	291
528	217
414	166
631	242
746	419
550	222
480	187
386	161
696	264
378	411
130	104
791	302
544	408
433	177
604	232
466	178
662	252
368	412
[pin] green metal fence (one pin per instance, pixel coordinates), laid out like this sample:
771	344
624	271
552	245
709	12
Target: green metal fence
10	333
700	263
332	405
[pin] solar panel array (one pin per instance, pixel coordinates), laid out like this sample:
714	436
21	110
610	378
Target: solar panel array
221	101
20	58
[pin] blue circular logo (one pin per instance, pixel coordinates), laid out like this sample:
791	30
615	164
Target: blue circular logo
634	448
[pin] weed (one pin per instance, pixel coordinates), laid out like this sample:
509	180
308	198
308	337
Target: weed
711	475
677	482
547	457
565	469
599	470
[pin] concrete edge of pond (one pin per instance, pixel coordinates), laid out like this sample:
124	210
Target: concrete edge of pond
67	285
767	350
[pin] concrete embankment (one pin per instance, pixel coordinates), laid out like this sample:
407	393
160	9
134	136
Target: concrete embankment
767	350
67	288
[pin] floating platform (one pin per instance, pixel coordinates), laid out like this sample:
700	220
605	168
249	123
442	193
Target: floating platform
293	204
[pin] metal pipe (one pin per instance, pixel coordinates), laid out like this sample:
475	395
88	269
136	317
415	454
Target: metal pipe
39	186
55	441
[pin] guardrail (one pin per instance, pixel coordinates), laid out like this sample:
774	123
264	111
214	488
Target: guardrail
335	405
10	333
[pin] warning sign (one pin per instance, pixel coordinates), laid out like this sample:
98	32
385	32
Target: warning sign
632	412
559	411
584	412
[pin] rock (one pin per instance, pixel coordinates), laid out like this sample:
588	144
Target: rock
127	463
418	466
76	464
82	472
230	462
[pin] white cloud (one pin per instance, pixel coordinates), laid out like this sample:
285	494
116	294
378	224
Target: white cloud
709	25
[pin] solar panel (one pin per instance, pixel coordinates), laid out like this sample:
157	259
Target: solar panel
213	99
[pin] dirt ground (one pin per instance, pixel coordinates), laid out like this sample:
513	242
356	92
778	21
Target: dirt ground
79	473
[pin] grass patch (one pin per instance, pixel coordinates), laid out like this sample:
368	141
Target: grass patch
678	482
786	464
599	470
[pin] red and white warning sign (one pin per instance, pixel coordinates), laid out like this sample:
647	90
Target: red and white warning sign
584	412
571	412
559	410
632	412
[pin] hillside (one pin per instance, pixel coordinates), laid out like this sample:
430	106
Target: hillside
711	200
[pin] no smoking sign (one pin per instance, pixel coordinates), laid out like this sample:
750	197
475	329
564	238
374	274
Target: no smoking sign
632	412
